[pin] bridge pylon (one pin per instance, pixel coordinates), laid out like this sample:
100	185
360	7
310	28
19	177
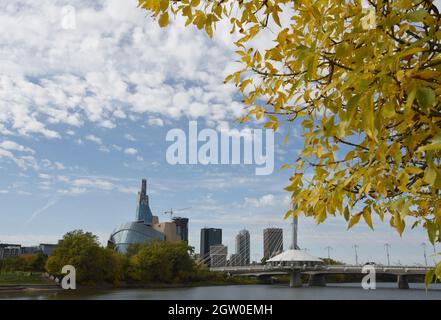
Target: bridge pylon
295	280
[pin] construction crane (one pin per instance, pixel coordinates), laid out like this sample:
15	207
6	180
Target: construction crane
171	212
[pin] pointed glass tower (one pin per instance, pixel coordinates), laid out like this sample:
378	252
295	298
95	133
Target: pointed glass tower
143	212
139	231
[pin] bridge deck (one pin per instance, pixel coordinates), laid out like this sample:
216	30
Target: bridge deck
345	269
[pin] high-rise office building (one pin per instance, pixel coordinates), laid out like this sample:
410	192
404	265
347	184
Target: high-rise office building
235	260
243	247
218	255
209	237
181	228
272	242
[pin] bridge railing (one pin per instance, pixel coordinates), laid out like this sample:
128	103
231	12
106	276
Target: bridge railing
329	268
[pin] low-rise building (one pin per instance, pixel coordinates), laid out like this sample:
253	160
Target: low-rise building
9	250
46	248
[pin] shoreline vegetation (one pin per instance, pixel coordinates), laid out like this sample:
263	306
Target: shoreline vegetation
157	264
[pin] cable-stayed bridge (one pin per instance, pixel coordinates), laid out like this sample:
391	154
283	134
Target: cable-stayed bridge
317	273
296	262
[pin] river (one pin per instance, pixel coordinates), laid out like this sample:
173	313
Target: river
243	292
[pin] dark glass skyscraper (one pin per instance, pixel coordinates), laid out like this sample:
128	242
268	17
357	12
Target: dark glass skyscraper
181	228
209	237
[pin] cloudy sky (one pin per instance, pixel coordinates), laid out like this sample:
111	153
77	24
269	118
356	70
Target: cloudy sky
84	113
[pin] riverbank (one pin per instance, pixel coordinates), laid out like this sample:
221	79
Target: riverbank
23	278
28	288
47	286
20	281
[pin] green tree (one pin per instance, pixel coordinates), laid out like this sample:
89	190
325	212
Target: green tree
161	262
364	83
93	263
39	261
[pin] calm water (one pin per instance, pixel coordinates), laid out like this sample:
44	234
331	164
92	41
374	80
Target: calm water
252	292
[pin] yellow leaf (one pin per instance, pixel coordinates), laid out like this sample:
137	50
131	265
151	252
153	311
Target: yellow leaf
430	175
276	18
435	144
429	277
367	217
163	20
399	223
354	220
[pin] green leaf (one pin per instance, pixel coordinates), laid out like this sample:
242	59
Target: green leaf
417	16
426	98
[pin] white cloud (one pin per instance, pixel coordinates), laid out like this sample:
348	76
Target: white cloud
156	122
264	201
11	145
129	137
6	154
63	178
59	165
116	147
131	151
116	64
94	138
104	149
93	183
44	176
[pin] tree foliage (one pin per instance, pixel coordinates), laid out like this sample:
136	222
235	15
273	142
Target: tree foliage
161	262
30	262
93	263
364	83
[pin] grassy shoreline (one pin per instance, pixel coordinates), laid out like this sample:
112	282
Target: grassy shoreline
36	281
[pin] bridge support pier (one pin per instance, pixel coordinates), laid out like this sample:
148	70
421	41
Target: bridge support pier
317	280
403	281
295	281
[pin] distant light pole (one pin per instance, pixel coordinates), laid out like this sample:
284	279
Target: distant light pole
329	248
434	255
387	245
356	254
425	254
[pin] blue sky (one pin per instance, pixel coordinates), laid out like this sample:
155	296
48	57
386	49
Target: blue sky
83	117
